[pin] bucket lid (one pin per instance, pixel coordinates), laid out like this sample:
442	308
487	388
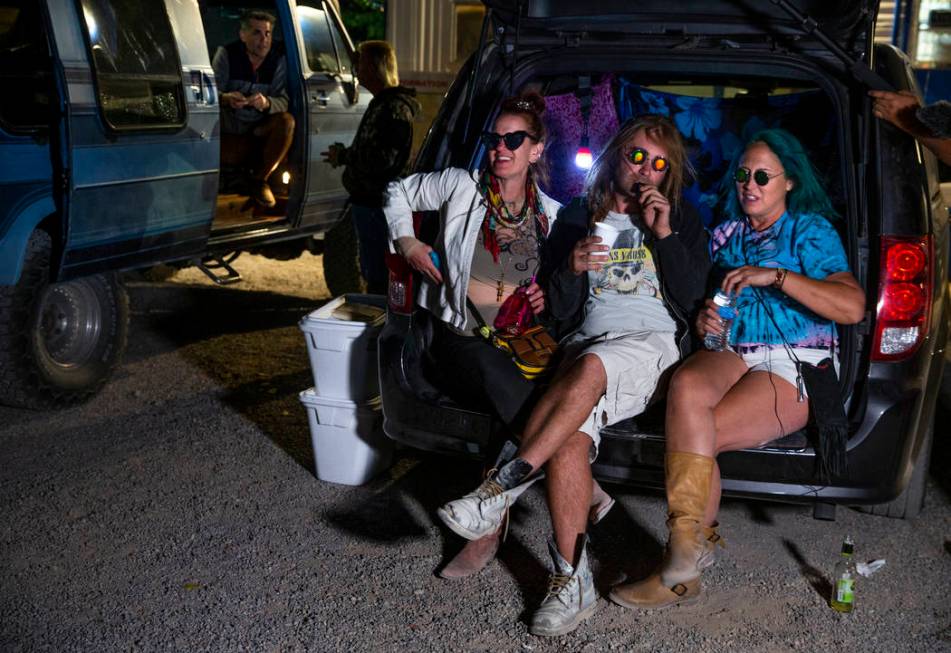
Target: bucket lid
362	310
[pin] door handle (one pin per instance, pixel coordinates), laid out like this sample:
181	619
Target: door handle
202	88
197	87
322	100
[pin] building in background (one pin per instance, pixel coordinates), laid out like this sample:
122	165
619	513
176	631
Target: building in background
433	39
921	28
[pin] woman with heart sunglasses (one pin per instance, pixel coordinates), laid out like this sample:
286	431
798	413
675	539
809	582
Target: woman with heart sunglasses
782	260
483	267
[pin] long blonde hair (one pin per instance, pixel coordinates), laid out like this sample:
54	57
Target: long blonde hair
600	182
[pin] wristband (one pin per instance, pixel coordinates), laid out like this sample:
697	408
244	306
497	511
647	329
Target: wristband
780	278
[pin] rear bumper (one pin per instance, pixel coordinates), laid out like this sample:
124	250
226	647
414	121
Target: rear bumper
898	407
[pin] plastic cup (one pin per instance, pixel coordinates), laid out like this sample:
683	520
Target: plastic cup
607	233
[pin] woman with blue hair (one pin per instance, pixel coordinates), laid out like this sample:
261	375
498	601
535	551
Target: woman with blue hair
784	263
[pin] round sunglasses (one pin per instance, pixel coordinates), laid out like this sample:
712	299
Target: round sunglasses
761	177
513	140
639	155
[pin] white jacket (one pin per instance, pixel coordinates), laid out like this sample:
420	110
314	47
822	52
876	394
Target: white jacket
455	194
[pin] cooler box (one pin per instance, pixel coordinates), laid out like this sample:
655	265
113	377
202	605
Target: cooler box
341	342
349	444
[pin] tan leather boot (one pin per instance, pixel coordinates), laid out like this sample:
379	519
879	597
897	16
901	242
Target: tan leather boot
711	540
678	579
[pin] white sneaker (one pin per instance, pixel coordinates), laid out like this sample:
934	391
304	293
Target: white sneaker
481	511
571	596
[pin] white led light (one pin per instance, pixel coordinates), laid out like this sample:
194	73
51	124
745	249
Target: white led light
896	340
286	178
583	158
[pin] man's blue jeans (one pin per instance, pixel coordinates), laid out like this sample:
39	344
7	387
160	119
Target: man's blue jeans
370	225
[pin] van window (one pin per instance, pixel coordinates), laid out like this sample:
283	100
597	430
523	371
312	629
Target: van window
25	66
318	44
340	43
135	63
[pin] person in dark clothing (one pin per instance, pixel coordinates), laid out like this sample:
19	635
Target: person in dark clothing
378	154
256	129
622	312
930	125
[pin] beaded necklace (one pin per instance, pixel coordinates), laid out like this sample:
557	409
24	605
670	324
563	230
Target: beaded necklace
498	215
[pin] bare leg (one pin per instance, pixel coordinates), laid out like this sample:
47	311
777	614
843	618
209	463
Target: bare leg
562	410
277	133
759	408
569	494
715	405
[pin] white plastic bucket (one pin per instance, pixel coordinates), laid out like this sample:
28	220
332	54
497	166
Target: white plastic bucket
349	444
343	353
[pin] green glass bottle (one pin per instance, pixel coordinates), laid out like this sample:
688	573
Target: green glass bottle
843	579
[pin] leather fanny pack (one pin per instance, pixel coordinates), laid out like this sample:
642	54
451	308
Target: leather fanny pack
532	349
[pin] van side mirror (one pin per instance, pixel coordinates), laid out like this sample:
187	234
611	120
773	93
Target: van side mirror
352	89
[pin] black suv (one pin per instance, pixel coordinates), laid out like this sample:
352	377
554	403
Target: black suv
720	69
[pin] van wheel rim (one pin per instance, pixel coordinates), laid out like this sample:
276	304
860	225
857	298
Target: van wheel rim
70	322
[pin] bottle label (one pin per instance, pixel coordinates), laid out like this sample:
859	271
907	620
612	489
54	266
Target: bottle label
845	590
727	312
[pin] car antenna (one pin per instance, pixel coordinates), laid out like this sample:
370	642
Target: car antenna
858	68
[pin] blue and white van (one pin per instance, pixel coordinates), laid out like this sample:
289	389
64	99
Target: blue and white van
109	160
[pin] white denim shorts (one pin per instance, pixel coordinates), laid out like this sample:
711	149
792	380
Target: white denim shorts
637	365
777	361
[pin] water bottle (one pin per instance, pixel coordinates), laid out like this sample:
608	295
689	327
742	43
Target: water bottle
725	306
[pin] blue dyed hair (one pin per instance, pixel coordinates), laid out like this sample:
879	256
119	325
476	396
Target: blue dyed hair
807	194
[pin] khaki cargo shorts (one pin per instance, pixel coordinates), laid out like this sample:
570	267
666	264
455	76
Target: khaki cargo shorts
637	364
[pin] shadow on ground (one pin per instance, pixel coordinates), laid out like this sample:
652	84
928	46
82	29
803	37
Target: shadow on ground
247	342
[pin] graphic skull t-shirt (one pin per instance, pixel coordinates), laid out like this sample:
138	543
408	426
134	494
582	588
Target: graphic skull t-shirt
625	295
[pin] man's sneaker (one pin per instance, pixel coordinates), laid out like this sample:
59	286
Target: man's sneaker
571	596
481	512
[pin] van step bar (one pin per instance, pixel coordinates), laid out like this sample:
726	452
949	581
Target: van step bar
212	266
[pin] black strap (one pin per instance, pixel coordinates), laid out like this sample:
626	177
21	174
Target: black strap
475	313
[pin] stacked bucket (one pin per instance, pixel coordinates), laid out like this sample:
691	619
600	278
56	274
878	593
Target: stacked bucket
343	407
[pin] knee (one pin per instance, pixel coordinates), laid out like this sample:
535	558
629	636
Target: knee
589	371
689	386
576	448
285	122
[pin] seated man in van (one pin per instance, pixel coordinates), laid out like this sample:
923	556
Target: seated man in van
256	129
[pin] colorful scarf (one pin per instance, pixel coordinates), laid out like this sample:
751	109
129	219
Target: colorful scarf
498	214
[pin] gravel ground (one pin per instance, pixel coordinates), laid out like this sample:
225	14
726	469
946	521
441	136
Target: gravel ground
178	511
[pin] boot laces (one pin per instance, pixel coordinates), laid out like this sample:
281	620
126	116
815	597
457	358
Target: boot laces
556	583
490	488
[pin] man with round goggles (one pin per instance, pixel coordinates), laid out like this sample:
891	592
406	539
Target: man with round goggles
621	310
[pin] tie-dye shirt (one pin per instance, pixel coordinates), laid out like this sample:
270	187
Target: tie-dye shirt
806	244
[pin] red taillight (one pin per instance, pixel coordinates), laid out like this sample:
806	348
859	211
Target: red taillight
905	261
904	297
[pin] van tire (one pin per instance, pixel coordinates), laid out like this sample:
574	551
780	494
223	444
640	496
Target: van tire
342	258
72	357
909	503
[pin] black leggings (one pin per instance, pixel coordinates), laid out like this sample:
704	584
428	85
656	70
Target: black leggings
479	375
